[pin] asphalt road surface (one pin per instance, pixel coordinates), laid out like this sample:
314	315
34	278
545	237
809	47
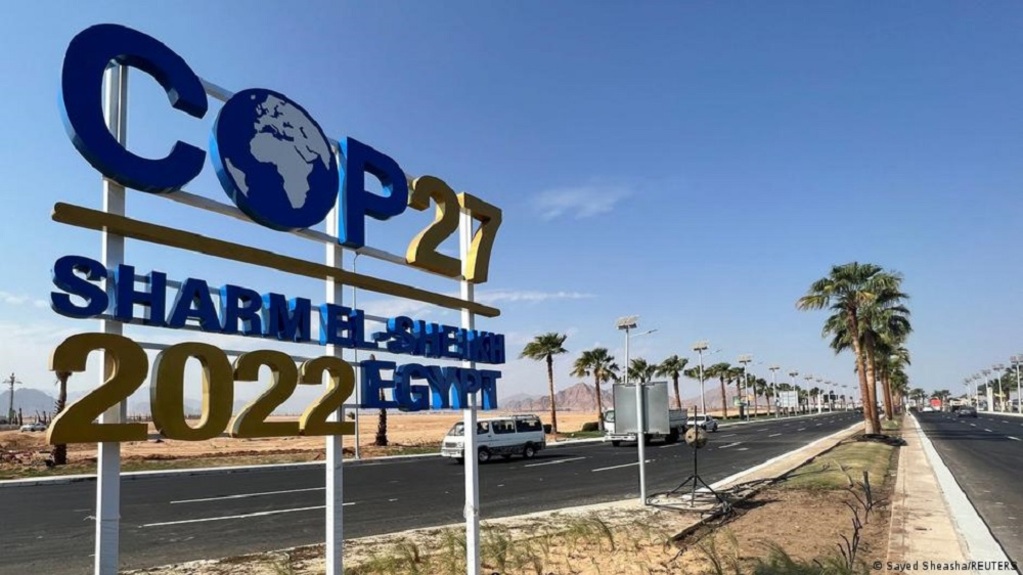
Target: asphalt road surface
169	519
985	455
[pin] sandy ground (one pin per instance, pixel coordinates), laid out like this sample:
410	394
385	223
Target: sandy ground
403	429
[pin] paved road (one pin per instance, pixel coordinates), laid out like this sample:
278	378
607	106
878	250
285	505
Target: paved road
985	455
179	518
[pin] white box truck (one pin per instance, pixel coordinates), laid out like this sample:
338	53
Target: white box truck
660	422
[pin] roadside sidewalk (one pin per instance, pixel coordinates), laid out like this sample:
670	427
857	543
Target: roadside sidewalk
934	527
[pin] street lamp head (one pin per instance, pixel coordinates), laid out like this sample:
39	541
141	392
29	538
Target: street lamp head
774	367
793	373
998	367
627	322
744	359
700	346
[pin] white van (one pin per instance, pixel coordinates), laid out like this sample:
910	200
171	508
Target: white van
505	436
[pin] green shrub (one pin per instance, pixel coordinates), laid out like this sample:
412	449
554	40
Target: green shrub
590	426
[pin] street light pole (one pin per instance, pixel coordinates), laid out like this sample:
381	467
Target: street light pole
629	323
999	369
744	360
987	388
793	375
809	378
774	389
1016	360
699	347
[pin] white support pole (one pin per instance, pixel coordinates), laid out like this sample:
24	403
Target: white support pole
473	563
335	539
358	370
108	482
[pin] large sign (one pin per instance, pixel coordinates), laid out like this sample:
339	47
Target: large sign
278	167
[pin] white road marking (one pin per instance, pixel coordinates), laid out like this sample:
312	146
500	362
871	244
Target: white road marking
619	466
244	495
1013	438
729	435
818	425
973	425
553	462
988	430
774	435
801	429
730	445
742	449
245	516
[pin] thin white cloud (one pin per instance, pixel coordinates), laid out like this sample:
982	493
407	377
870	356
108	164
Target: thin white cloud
580	202
15	299
529	296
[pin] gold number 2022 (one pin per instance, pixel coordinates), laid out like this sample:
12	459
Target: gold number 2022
128	366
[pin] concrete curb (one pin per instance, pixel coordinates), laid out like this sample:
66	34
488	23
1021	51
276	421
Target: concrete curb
980	543
133	475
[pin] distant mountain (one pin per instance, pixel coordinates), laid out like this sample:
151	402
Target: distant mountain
579	397
28	400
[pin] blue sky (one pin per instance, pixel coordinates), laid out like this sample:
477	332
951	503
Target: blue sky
697	164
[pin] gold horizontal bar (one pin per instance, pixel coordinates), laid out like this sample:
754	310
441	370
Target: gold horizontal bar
157	234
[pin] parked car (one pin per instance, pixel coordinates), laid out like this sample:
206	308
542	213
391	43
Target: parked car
505	436
966	411
33	427
707	422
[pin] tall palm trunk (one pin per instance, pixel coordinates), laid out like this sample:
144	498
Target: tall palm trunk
868	354
550	388
678	398
886	388
869	403
600	405
381	437
59	453
724	396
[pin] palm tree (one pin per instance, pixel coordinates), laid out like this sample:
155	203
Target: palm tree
543	348
848	291
381	437
640	370
59	453
886	327
721	371
673	367
601	365
761	389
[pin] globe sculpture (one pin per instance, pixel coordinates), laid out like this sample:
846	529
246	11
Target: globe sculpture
273	160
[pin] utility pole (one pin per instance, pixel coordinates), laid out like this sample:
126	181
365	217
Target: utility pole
12	381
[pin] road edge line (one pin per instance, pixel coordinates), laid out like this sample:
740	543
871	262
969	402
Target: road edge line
972	530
